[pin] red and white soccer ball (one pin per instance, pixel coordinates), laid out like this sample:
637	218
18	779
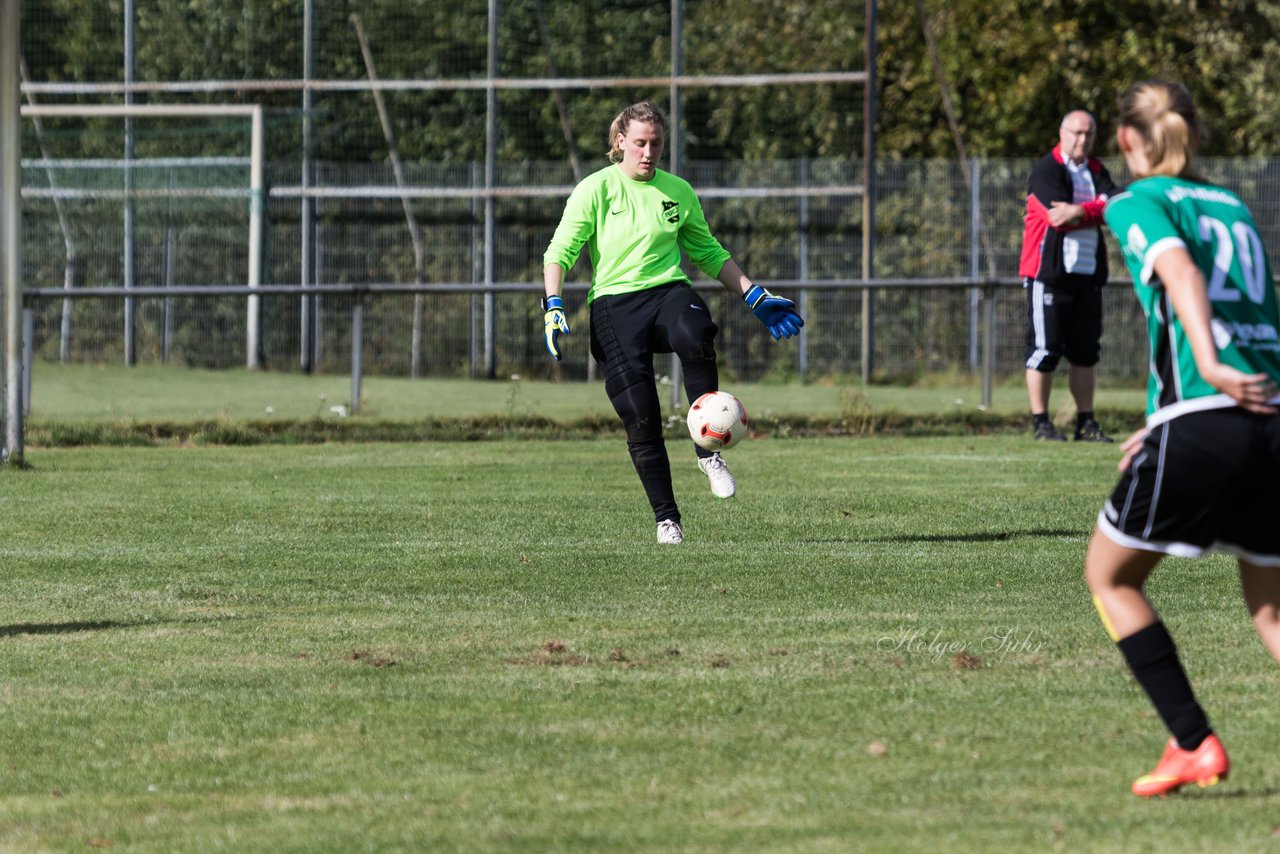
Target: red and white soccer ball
717	421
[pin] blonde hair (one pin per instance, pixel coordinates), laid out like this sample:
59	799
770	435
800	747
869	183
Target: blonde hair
1165	117
643	111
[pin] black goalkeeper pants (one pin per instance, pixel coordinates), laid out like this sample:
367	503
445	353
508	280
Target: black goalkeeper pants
626	331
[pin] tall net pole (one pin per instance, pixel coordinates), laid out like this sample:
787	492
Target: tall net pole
490	178
307	228
130	304
11	226
869	196
674	143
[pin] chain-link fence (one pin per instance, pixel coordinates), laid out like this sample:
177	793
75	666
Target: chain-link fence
926	221
436	142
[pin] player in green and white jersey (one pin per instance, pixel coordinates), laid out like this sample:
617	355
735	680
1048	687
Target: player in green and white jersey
1203	474
634	220
1217	231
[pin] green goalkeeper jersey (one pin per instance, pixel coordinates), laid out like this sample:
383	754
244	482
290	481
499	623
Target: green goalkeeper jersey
1214	226
634	231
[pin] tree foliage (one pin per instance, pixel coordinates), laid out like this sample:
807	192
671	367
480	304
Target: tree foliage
1014	67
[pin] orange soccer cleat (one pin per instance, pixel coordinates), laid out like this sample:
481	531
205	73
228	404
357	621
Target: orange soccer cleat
1204	766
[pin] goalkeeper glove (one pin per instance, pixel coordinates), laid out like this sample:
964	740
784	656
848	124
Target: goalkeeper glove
778	314
554	324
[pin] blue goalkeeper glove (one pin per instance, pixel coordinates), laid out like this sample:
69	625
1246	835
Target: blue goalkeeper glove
554	324
778	314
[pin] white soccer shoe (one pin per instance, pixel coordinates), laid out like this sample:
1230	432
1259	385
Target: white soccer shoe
670	533
717	471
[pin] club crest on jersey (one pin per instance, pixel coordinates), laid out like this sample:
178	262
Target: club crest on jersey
671	211
1048	298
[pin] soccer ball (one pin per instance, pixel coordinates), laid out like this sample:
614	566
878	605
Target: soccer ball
717	421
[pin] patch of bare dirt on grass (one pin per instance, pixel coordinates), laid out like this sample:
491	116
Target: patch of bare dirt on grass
372	659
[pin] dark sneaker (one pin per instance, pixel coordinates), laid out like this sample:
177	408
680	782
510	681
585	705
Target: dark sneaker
1046	432
1089	431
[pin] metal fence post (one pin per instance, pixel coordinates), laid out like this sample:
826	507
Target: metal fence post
130	304
988	341
257	207
975	220
306	227
490	215
11	229
477	275
869	192
357	350
802	241
676	139
170	253
317	315
28	352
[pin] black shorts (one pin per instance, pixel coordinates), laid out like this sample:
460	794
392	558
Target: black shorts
1063	319
628	329
1202	481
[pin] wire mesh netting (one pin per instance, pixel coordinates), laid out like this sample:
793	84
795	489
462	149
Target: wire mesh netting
433	186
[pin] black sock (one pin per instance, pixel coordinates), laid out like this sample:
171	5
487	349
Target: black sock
1153	659
1082	417
1039	418
650	460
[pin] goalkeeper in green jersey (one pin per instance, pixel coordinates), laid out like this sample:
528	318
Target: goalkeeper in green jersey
634	220
1203	474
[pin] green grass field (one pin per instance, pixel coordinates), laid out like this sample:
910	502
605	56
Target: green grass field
82	393
880	644
149	405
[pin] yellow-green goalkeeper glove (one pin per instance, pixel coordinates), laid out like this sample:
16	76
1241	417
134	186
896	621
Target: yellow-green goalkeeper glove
554	324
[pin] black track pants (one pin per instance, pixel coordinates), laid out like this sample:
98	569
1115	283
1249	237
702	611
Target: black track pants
626	331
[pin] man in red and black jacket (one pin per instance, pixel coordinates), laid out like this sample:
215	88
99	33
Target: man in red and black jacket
1063	268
